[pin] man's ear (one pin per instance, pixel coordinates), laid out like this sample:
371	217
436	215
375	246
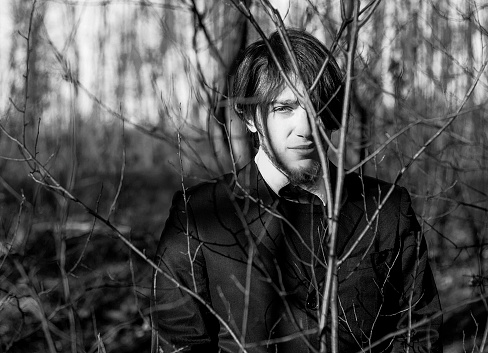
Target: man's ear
251	126
254	120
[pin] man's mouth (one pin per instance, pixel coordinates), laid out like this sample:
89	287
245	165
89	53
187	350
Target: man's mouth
304	148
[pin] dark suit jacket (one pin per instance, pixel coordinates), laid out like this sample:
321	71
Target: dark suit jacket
258	261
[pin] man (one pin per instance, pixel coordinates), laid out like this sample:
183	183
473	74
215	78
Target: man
244	256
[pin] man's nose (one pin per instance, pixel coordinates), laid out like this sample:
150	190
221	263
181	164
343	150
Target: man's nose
302	127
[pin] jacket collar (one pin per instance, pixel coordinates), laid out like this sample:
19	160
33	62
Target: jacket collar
250	182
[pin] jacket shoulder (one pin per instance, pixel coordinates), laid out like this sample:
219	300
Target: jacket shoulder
189	208
205	190
370	193
363	187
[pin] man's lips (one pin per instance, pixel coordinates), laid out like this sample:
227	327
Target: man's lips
309	146
303	149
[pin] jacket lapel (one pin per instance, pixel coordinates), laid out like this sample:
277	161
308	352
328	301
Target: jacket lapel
349	218
259	207
351	213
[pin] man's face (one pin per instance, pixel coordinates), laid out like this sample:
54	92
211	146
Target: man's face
287	139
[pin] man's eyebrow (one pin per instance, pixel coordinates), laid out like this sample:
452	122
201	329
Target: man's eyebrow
285	102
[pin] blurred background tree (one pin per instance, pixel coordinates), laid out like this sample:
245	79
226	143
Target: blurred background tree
110	95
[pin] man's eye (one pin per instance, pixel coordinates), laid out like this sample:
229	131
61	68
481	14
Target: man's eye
282	109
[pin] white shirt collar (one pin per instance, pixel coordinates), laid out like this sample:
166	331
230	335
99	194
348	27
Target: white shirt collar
277	180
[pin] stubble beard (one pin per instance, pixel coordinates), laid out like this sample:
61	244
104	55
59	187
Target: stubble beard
304	176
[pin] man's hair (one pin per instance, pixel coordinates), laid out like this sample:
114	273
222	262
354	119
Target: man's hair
258	81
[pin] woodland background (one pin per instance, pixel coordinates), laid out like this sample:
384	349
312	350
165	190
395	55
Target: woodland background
108	107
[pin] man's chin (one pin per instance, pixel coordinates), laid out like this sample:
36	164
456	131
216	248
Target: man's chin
306	174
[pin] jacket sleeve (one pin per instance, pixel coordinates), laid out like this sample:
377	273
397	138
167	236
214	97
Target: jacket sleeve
180	321
419	299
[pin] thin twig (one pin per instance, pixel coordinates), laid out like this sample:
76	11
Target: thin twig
122	173
27	70
90	234
16	230
42	316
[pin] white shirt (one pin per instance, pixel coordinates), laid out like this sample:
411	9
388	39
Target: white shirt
277	180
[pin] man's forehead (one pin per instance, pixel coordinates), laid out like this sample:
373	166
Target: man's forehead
287	95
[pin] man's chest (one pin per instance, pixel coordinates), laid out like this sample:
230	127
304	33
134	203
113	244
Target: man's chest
269	275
